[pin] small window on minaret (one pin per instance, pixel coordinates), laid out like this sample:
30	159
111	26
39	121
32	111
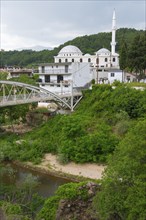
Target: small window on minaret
114	59
105	59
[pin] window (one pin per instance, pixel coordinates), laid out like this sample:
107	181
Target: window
89	60
66	68
81	60
59	60
97	61
72	60
59	78
114	59
39	80
47	78
105	60
66	60
112	74
128	78
43	69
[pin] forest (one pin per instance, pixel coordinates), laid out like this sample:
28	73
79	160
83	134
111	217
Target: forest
87	44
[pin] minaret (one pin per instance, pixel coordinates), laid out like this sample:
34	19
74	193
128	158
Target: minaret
113	42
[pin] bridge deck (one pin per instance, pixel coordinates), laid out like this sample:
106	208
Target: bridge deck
14	93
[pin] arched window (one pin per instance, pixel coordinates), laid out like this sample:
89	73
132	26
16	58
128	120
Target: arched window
89	60
114	59
72	60
81	60
105	60
97	61
59	60
66	60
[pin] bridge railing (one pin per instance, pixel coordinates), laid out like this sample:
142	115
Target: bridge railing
21	97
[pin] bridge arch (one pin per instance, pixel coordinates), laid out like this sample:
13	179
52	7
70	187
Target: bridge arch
15	93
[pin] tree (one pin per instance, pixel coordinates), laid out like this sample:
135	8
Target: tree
123	187
137	56
123	55
20	201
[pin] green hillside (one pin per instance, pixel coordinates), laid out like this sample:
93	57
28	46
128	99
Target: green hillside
108	127
87	44
90	134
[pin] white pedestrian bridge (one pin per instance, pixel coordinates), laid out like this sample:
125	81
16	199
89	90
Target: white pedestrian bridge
16	93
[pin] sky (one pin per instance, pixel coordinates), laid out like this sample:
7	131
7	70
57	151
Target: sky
27	23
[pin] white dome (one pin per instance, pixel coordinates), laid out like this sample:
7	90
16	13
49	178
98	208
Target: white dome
103	51
87	54
70	50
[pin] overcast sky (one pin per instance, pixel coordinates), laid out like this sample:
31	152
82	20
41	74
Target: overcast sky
26	23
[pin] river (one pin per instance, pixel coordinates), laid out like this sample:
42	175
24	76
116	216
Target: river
48	184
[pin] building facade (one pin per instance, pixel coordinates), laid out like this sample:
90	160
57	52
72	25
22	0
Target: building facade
63	77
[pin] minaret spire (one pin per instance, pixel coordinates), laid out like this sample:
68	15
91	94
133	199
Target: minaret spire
113	42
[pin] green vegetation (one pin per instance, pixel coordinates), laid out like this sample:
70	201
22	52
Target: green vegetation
16	114
90	134
107	127
26	79
69	191
137	55
87	44
3	75
123	186
18	201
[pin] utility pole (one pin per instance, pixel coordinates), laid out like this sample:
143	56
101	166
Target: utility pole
72	96
97	74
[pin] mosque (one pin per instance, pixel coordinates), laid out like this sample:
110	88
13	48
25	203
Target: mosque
74	70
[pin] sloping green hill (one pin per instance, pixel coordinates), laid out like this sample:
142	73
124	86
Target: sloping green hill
90	134
87	44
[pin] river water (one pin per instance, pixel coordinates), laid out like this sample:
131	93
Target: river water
48	184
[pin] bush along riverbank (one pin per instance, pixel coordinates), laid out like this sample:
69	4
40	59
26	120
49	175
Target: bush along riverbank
107	127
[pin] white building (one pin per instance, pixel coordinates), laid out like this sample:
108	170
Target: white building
71	69
63	77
